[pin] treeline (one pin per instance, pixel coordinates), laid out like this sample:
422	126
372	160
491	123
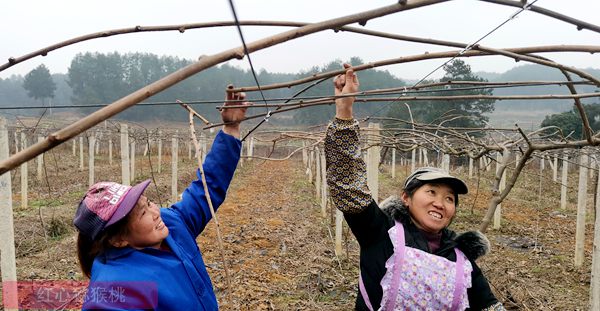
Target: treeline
98	79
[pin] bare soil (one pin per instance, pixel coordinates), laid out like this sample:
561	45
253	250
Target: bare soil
278	249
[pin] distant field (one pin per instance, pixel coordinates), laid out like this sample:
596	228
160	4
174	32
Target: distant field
527	120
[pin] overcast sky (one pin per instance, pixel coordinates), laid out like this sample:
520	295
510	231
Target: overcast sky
28	25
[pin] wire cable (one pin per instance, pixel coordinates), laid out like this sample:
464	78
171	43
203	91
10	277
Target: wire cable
526	6
247	53
287	99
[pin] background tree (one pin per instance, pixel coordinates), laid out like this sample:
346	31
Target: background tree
39	83
455	113
570	121
369	79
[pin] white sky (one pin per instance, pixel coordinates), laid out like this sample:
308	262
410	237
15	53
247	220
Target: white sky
28	25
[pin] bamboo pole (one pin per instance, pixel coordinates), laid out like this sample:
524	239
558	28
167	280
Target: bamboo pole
203	63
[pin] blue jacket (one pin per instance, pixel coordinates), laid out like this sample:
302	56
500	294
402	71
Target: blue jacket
126	278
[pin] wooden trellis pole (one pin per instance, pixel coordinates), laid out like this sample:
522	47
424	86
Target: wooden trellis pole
203	63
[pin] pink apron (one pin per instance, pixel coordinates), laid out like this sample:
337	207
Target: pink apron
417	280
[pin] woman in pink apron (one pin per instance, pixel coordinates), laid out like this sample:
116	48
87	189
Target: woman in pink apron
409	259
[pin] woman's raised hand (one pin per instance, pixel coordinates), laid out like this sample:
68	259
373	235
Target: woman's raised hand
345	84
232	117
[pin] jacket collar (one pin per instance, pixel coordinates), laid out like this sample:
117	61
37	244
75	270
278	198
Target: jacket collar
472	243
114	252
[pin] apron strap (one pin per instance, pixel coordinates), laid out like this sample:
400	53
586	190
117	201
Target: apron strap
459	279
399	250
363	292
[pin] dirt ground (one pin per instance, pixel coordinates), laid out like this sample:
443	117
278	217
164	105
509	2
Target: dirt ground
279	251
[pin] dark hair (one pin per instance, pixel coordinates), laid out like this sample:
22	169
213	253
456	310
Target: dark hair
88	249
415	184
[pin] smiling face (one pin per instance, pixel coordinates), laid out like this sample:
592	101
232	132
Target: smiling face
431	206
145	227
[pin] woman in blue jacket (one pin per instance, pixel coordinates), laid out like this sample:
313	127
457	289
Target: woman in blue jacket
140	256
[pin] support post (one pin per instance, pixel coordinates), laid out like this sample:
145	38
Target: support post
125	169
498	212
564	180
8	264
373	156
304	153
24	175
310	165
40	162
81	153
110	151
555	168
159	150
595	280
470	167
323	185
393	163
581	209
174	159
413	159
339	222
318	172
132	162
91	145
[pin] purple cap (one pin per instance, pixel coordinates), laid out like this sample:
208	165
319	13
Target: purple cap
104	204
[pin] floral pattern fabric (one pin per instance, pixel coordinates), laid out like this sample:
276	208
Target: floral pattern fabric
427	281
346	169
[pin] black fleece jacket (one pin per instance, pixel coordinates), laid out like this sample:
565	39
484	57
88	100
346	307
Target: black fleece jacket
370	227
